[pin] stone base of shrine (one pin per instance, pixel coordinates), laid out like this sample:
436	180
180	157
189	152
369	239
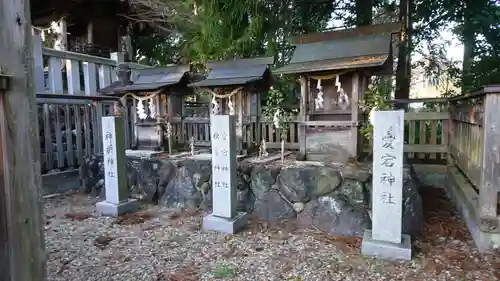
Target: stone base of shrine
225	225
109	209
329	196
386	250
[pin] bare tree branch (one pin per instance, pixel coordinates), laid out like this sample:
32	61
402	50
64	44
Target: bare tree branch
162	14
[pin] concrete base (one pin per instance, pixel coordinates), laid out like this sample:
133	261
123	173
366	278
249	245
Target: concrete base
386	250
109	209
224	225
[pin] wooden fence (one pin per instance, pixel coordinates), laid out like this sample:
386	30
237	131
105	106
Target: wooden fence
69	109
68	73
70	128
183	128
426	138
475	151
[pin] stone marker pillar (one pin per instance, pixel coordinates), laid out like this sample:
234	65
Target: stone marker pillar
224	217
385	240
117	201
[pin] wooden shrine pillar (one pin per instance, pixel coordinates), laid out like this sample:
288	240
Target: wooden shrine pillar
159	122
239	122
258	127
304	96
355	113
22	254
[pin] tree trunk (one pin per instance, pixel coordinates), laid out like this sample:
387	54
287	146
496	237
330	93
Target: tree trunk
364	12
469	40
403	72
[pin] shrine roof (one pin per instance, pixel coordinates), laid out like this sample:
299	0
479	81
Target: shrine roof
343	53
152	79
235	72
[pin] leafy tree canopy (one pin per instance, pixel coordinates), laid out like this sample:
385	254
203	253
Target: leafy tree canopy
222	29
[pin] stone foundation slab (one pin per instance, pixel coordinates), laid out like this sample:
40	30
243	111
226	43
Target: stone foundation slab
109	209
224	225
386	250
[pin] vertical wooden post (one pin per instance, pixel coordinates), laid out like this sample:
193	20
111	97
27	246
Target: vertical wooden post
303	112
63	36
119	58
22	255
239	123
90	32
489	180
258	125
134	121
449	132
160	126
38	62
355	113
180	131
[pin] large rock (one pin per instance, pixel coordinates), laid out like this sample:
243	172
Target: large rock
336	215
184	190
263	177
302	184
92	174
342	212
332	197
273	207
145	177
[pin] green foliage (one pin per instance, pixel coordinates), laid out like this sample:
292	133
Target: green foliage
375	99
482	18
221	29
225	29
224	271
273	104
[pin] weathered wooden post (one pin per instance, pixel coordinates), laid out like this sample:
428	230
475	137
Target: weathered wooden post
22	255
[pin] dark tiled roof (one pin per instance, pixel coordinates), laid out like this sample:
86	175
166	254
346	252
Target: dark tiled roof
225	81
333	64
354	52
235	72
111	88
156	78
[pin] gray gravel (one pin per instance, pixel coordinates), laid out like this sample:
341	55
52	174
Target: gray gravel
81	245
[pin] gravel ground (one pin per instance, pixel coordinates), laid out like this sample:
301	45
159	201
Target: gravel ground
159	244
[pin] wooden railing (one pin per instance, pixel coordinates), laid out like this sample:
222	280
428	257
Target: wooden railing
183	128
271	135
467	135
475	150
69	108
70	73
426	127
70	129
198	128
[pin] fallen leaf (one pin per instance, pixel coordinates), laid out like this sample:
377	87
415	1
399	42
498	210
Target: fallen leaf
133	218
188	273
77	216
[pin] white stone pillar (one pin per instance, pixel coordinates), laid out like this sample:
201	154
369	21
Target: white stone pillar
385	240
224	217
117	201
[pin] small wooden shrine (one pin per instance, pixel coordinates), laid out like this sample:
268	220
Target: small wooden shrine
154	99
334	69
235	87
